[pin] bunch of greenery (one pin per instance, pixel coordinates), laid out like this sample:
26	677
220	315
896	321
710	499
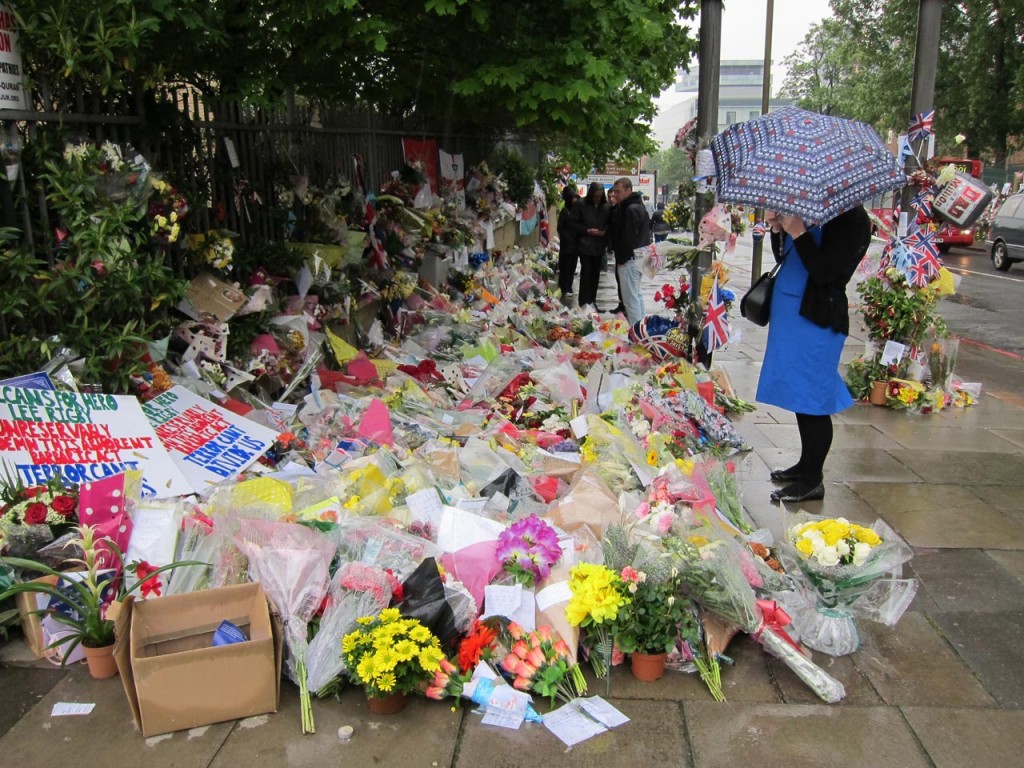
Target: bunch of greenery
516	173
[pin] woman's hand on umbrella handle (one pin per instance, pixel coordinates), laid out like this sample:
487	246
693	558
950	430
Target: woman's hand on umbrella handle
793	225
773	220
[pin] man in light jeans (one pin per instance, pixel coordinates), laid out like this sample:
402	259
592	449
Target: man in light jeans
631	229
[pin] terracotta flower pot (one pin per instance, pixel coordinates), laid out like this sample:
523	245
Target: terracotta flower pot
879	389
101	661
647	666
387	705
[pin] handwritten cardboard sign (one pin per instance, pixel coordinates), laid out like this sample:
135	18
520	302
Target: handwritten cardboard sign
208	443
82	438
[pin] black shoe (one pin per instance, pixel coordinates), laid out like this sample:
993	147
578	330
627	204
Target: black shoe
795	494
785	475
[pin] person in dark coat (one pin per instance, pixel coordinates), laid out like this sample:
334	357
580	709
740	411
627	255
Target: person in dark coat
631	229
659	227
568	240
593	214
809	322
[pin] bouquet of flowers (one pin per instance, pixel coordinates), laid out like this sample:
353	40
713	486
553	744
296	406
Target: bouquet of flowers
543	664
476	646
598	595
712	570
389	654
527	549
30	518
448	681
942	354
853	571
650	622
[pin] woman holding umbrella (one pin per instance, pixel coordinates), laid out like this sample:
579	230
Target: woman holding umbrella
808	327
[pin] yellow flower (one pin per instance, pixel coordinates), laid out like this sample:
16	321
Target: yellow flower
350	642
652	458
420	634
385	659
386	682
364	620
805	547
389	615
686	465
866	535
406	649
430	658
365	670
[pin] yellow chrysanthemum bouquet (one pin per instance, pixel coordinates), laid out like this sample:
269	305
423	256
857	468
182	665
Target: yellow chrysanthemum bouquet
598	594
389	654
853	571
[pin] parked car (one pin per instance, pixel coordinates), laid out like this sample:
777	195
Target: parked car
1006	238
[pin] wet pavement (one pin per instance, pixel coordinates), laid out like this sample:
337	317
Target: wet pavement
944	688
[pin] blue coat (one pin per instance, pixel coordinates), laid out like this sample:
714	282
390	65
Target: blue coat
801	362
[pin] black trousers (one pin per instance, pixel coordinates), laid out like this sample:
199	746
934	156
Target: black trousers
590	274
815	443
566	271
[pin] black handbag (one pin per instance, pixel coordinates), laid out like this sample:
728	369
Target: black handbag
756	304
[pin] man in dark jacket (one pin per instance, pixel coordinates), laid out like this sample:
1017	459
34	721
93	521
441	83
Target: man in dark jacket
568	240
631	229
593	214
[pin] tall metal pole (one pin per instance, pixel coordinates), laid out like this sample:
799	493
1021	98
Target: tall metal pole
766	92
709	62
922	96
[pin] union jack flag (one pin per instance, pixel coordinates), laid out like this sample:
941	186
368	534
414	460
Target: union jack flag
917	273
758	230
921	126
379	256
923	242
922	203
714	320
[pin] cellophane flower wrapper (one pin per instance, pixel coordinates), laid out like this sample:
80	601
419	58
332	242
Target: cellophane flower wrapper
561	382
356	590
426	600
613	453
716	579
378	542
493	380
726	490
874	590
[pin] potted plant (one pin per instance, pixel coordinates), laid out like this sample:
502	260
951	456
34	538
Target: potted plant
391	657
85	595
647	627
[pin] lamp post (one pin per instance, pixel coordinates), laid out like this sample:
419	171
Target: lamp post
766	80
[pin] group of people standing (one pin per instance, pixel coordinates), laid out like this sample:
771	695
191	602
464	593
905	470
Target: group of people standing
591	226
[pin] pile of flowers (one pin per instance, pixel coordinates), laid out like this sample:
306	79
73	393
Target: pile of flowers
598	594
213	249
543	663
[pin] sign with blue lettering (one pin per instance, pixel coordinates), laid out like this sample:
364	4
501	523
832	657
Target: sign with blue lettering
209	444
83	437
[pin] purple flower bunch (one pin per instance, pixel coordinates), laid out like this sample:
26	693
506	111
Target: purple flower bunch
527	549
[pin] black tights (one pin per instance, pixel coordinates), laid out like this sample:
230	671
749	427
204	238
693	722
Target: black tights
815	442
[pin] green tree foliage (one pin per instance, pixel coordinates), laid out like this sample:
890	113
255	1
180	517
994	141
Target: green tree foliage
574	72
672	165
860	64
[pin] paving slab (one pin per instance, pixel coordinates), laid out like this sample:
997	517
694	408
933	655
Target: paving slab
105	738
913	664
929	435
869	465
966	580
1015	436
673	686
655	736
424	734
1008	498
859	691
979	738
1011	561
963	526
800	736
22	688
989	413
912	496
968	468
749	679
865	413
845	436
993	645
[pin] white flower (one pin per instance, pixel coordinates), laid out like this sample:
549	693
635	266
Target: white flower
861	552
827	556
671	600
674	572
632	588
842	548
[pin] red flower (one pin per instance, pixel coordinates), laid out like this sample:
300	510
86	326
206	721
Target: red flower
35	513
150	585
397	591
472	649
31	493
64	505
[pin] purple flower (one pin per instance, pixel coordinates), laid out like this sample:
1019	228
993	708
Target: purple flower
528	548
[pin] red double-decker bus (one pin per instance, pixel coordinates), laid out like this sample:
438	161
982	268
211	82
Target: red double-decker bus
947	234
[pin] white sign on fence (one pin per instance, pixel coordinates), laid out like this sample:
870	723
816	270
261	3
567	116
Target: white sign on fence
12	88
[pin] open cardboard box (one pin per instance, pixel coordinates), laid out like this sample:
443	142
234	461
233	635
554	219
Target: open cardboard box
28	605
175	679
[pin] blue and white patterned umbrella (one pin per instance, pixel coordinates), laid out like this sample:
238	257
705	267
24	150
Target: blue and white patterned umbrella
802	163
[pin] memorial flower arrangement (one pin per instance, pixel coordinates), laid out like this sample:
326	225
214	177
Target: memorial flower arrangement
389	654
543	664
834	541
53	505
651	621
598	594
527	549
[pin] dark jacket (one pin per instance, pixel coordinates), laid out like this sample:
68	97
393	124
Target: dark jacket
568	228
631	227
589	216
844	241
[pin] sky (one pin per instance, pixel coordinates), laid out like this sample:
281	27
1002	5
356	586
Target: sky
743	32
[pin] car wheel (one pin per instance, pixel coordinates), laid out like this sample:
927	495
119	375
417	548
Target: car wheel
944	248
1000	259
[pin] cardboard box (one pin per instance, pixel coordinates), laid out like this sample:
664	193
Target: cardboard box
27	604
175	679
